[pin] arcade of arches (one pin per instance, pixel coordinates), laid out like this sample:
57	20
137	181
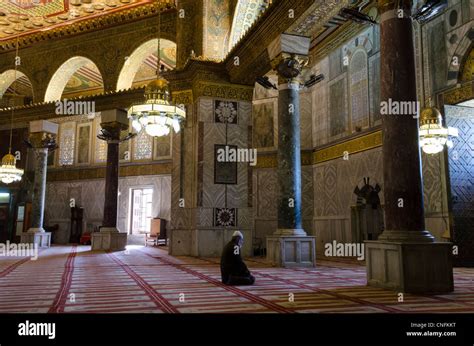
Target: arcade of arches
339	205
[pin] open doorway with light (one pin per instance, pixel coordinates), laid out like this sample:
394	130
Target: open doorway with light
141	210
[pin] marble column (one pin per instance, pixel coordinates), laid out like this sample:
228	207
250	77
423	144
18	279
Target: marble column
111	177
42	136
289	156
109	237
289	246
405	257
39	189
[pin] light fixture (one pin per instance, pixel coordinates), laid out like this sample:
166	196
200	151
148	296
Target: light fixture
433	135
356	16
157	115
8	171
265	82
429	10
313	80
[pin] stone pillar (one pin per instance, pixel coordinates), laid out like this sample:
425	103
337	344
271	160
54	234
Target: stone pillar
109	237
111	176
289	246
405	256
42	136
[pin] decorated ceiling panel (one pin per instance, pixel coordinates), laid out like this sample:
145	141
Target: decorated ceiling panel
25	16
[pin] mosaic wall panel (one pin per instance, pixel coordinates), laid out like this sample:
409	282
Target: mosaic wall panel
261	93
265	119
433	182
67	136
83	147
162	147
90	196
100	152
216	27
437	56
359	93
461	174
306	127
142	146
334	181
338	115
320	102
265	185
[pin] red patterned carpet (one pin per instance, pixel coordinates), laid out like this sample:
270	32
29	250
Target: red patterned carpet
69	279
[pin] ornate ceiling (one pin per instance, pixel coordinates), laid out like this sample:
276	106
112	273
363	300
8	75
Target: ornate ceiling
18	17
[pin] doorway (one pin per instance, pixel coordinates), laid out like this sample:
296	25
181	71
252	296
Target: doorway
141	210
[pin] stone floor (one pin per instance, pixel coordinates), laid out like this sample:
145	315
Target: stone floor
148	280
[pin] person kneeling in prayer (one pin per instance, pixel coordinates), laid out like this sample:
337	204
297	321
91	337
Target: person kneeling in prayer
233	269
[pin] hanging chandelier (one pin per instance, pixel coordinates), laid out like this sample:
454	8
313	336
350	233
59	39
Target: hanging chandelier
157	115
8	171
433	135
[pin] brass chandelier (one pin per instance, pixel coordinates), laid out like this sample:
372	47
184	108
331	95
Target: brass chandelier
157	115
8	171
433	135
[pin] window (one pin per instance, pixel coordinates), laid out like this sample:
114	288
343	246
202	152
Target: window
67	134
141	210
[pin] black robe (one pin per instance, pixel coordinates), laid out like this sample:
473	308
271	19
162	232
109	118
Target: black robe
232	263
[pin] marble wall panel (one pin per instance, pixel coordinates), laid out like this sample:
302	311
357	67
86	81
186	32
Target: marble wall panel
91	194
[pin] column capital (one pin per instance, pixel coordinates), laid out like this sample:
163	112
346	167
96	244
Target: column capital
289	67
43	134
42	140
390	5
113	122
288	55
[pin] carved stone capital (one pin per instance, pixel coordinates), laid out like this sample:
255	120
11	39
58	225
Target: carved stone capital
42	140
289	66
390	5
112	130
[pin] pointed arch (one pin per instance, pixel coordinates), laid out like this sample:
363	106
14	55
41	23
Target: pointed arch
146	54
15	89
65	72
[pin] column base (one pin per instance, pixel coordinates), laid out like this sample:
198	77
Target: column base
109	238
410	267
408	237
291	251
36	230
42	239
295	232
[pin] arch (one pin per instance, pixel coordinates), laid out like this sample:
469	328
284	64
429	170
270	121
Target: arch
7	78
245	14
134	62
63	74
467	70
